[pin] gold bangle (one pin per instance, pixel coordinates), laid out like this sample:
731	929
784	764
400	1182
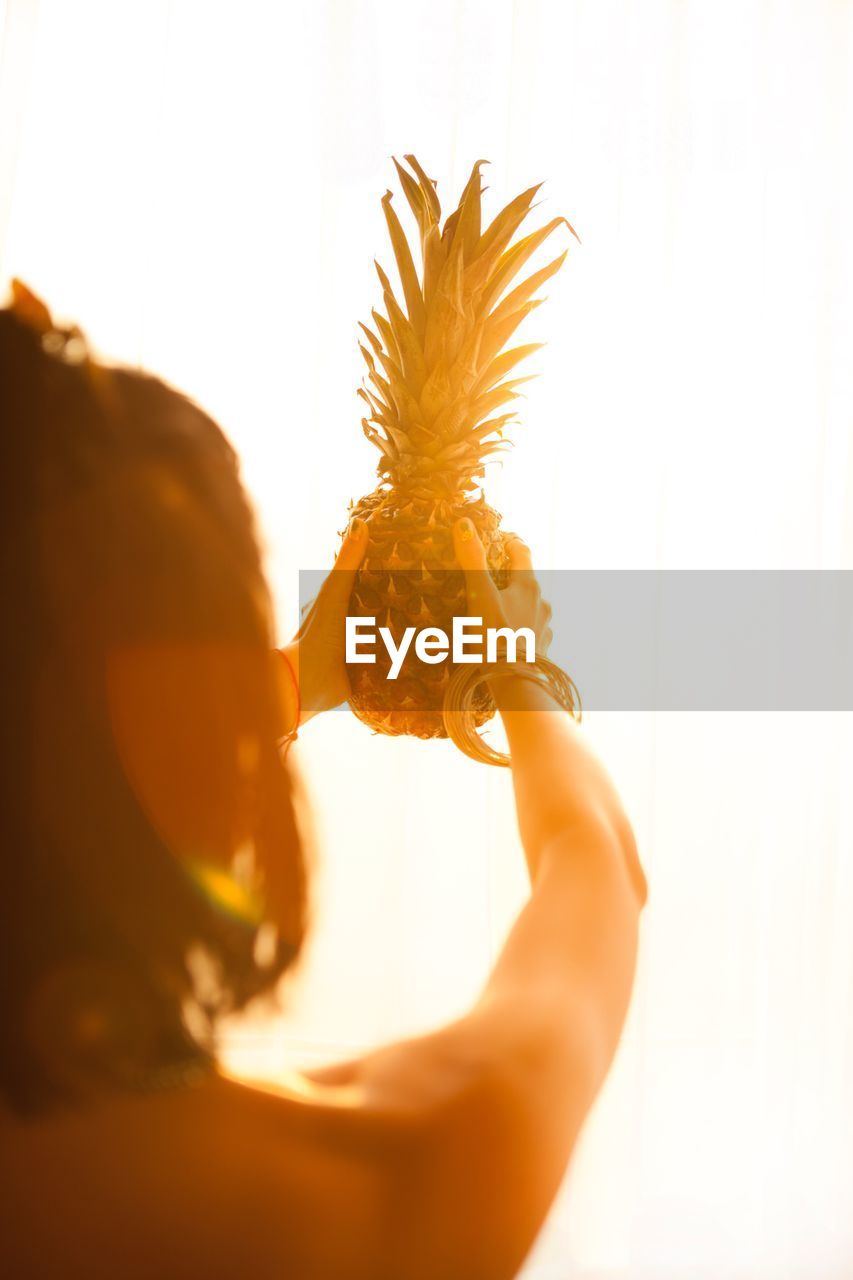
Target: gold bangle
458	720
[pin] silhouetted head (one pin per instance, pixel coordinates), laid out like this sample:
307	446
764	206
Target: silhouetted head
151	874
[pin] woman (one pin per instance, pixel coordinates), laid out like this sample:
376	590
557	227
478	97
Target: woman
153	880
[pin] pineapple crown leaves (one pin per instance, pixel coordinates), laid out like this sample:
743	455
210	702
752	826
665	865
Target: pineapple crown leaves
437	366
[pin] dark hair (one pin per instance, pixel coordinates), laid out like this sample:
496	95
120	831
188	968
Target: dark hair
147	824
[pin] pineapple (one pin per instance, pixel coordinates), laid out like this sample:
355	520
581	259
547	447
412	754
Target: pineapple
438	375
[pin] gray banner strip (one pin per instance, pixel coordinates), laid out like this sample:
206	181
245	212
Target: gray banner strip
684	640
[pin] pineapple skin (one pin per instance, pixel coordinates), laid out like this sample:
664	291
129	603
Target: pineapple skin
410	578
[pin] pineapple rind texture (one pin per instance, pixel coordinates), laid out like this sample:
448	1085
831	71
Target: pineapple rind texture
409	577
437	376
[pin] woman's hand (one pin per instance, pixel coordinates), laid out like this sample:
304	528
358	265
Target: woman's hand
519	604
316	654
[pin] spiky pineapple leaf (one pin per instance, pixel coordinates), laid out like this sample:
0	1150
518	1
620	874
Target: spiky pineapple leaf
368	358
386	333
434	258
435	391
402	399
411	352
511	262
506	223
443	321
379	411
382	443
498	330
491	400
468	230
406	267
492	426
416	199
504	364
497	446
382	391
451	418
428	187
449	228
527	288
372	338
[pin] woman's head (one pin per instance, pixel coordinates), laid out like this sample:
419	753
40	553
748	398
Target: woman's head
151	870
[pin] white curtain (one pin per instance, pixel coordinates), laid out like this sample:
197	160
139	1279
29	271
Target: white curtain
198	184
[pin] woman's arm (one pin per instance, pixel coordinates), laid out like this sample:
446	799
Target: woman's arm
492	1104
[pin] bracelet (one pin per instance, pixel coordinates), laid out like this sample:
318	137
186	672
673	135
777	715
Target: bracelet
464	682
288	738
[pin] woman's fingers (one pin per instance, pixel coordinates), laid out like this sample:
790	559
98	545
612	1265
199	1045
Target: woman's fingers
330	603
469	549
519	554
353	546
483	598
337	588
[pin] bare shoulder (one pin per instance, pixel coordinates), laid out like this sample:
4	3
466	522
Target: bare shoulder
433	1156
223	1179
